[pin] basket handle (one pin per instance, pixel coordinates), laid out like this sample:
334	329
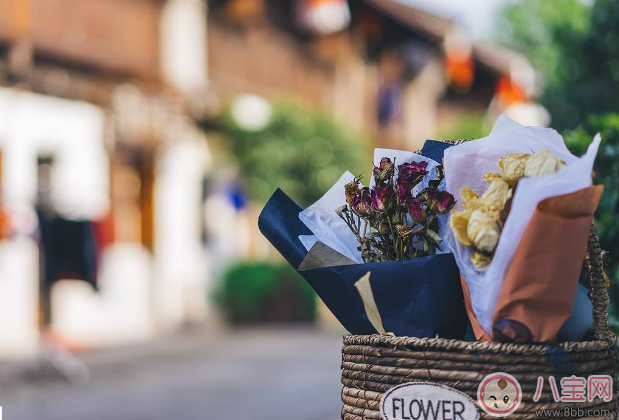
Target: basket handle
596	283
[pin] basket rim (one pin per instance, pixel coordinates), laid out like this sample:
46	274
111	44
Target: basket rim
376	340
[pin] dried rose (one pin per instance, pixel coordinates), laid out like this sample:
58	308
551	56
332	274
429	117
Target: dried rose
484	229
480	261
459	222
412	173
404	194
439	201
512	167
416	210
351	189
381	196
384	171
497	194
362	202
470	200
542	162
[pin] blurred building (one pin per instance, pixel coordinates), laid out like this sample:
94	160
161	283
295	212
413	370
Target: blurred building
102	161
379	65
102	169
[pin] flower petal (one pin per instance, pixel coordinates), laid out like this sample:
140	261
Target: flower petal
543	162
459	222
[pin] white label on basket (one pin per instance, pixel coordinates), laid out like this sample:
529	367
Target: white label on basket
427	401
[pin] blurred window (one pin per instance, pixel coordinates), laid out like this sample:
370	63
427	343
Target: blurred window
45	181
133	177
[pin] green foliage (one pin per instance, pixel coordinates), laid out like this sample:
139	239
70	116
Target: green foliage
546	31
606	173
576	49
303	152
260	291
469	125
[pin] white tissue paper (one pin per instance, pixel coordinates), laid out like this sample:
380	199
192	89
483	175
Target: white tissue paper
328	228
466	164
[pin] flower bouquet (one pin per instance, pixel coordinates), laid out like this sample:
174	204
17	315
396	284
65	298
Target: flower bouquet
520	231
520	234
394	257
375	255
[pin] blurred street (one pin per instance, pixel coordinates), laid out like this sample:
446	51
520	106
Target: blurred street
290	373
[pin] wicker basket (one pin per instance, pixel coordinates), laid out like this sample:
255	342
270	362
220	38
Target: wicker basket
373	364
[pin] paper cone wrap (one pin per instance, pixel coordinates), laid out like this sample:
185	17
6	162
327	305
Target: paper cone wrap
541	281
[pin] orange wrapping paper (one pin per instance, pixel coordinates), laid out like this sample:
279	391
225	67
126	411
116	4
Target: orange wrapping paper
541	280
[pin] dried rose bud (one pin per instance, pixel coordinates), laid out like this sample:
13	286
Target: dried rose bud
497	193
480	261
351	189
459	222
470	200
412	173
439	201
380	197
416	210
362	202
404	194
512	167
484	229
384	171
542	162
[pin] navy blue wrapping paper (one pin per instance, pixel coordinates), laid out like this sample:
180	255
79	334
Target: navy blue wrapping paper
417	298
435	149
279	222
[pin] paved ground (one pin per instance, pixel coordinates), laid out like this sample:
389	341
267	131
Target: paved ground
290	374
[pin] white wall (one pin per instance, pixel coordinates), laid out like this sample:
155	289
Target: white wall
139	293
183	45
31	125
180	257
73	132
19	262
121	312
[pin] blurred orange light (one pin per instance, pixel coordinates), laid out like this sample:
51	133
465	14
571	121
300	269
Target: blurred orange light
460	70
508	92
4	224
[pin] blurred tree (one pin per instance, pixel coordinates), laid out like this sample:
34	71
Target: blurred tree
607	173
575	47
303	152
254	292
